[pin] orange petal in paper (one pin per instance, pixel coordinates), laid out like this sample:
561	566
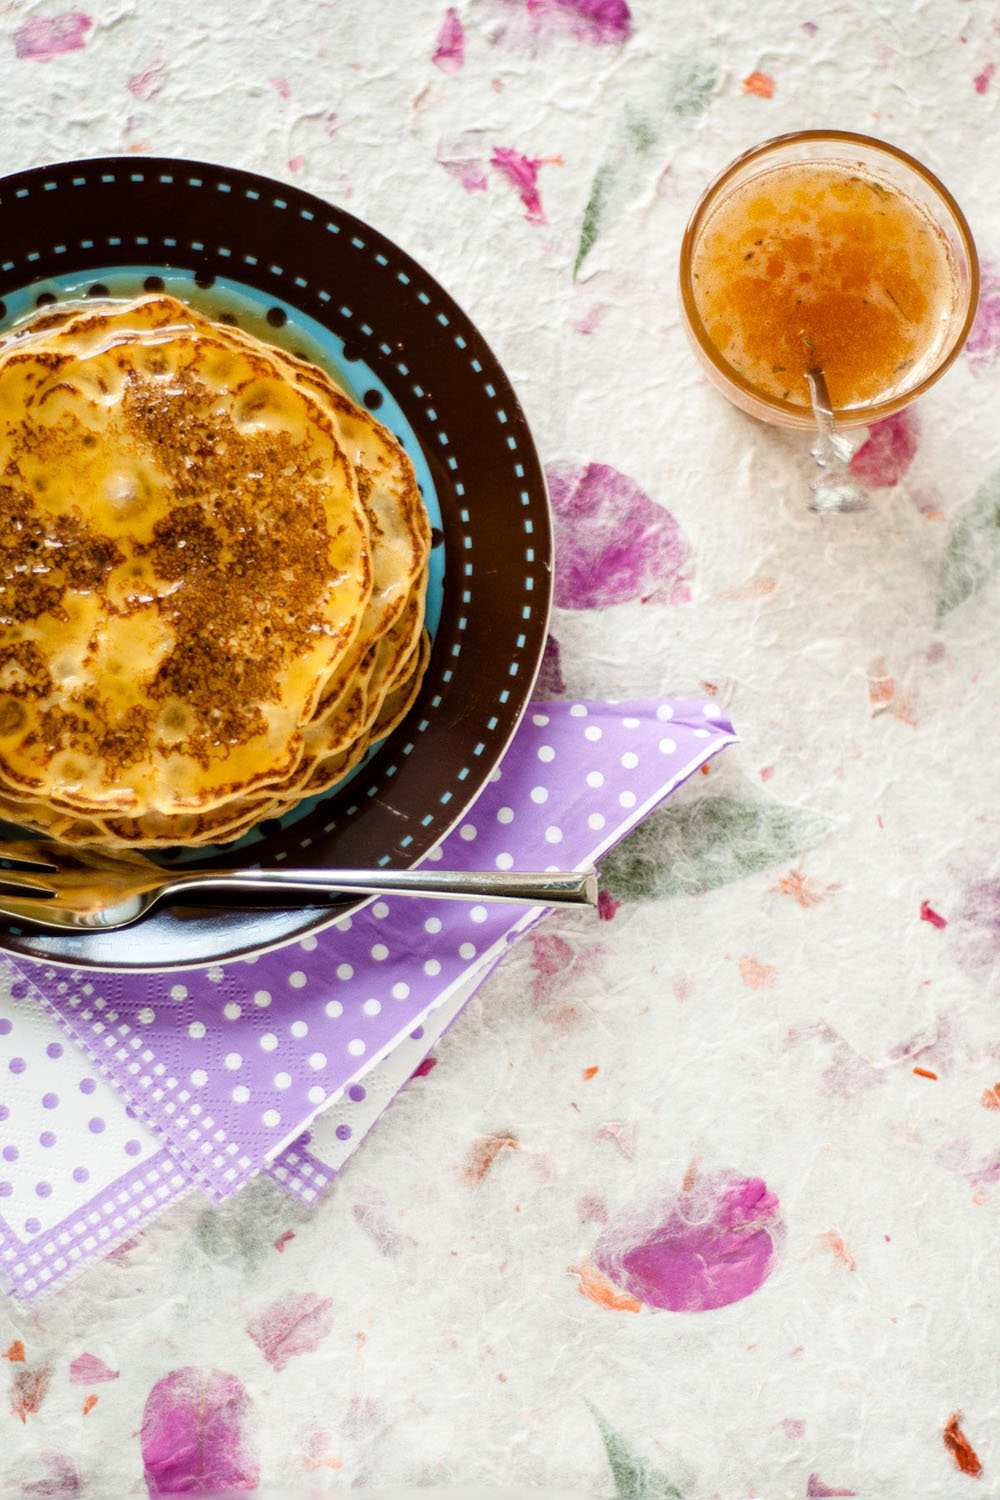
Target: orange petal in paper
599	1290
89	1403
804	891
840	1250
761	84
960	1448
691	1175
881	688
484	1153
325	1461
757	588
28	1391
15	1353
755	975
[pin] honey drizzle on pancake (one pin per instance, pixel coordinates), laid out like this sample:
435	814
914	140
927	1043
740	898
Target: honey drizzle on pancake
222	523
212	544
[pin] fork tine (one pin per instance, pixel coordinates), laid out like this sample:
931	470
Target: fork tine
13	882
27	909
26	854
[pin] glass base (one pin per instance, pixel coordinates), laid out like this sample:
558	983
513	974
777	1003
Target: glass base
833	494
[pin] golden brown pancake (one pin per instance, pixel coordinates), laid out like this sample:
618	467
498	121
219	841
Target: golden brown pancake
185	559
221	824
212	577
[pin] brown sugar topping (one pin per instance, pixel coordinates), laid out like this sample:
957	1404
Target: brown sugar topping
225	530
249	547
212	577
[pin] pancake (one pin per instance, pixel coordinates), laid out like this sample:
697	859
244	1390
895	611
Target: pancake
162	639
222	824
397	517
212	577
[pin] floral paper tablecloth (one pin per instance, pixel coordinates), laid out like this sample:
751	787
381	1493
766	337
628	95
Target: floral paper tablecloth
701	1199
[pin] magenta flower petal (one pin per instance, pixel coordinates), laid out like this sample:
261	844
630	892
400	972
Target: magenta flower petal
613	543
194	1434
45	37
890	448
702	1249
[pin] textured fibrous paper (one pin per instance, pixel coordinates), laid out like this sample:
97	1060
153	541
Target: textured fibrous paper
794	996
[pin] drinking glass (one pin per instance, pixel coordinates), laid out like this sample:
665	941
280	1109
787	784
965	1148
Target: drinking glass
889	202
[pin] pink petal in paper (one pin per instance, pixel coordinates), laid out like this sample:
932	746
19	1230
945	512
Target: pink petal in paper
984	340
60	1479
195	1434
890	448
387	1240
817	1490
87	1369
147	84
45	37
295	1324
449	54
982	80
601	22
591	319
522	173
463	157
976	928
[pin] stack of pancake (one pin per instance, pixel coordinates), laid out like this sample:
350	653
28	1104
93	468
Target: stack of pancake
213	567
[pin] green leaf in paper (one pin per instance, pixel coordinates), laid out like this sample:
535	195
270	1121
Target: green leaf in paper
707	844
641	132
973	554
690	87
241	1232
683	96
635	1477
593	215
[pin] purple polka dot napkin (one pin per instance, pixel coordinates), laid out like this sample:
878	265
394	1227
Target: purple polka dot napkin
227	1067
308	1167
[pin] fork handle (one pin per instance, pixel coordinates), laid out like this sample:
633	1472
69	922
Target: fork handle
536	888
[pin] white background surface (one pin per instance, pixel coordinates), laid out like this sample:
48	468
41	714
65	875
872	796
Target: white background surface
460	1349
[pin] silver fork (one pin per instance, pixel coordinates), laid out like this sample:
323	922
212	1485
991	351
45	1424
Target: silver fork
53	885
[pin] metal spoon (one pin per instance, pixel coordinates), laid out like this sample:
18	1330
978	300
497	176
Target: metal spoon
835	489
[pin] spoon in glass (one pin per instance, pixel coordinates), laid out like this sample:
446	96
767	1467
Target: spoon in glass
835	489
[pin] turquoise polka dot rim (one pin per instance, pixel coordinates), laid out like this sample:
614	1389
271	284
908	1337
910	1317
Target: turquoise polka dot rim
309	277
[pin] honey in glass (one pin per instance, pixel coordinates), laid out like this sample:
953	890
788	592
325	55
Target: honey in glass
831	251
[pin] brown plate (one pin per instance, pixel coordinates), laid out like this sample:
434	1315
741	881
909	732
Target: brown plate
315	278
